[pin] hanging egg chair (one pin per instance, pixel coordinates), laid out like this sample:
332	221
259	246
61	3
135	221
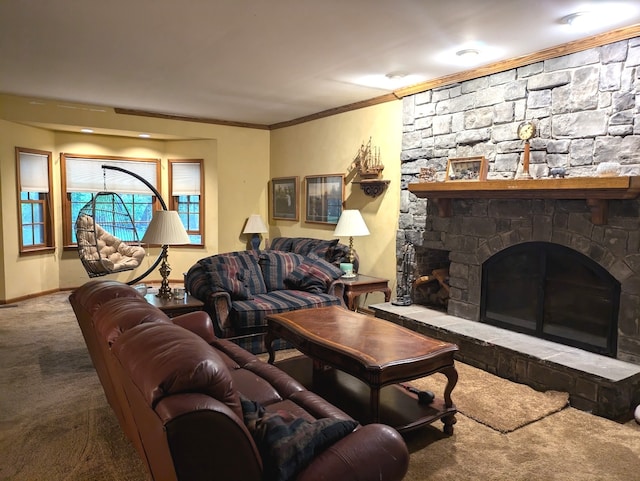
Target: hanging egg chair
101	226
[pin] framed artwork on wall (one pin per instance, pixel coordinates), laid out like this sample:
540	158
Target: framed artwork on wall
467	168
324	198
285	198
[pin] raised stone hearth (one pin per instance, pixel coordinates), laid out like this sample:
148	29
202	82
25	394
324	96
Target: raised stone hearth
604	386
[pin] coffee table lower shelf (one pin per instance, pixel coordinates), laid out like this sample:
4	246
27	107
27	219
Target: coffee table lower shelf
398	407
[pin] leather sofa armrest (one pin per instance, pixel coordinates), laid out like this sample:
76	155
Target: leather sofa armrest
197	322
375	452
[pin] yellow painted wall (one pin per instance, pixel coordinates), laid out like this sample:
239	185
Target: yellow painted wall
33	273
328	146
238	165
236	170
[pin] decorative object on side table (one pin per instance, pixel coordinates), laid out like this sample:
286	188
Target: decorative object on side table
351	224
467	168
367	161
255	226
526	130
405	283
165	229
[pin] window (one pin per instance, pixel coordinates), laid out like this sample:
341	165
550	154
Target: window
35	214
83	176
185	183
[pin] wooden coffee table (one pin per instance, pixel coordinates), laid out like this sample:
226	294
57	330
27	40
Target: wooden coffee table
371	352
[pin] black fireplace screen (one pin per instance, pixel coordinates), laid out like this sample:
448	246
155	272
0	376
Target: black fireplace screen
552	292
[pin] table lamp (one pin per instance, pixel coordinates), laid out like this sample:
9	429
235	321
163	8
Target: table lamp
165	229
255	226
351	224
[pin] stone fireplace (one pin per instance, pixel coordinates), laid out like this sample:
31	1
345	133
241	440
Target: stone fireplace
598	304
585	109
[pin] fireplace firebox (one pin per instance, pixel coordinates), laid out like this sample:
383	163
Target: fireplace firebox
552	292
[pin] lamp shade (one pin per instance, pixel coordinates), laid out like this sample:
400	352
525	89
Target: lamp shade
166	228
351	224
255	225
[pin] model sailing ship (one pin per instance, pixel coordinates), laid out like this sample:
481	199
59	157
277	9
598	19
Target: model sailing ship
367	161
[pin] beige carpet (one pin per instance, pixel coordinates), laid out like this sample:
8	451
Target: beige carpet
55	423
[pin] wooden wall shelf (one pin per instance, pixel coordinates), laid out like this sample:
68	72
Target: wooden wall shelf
596	191
373	187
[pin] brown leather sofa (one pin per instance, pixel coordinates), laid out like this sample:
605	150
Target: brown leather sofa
179	394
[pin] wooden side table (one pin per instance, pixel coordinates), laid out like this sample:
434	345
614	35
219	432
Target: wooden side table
361	284
175	307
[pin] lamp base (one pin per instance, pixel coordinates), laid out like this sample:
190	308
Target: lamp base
165	291
254	242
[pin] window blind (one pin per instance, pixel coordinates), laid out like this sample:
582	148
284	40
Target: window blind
185	178
34	172
87	175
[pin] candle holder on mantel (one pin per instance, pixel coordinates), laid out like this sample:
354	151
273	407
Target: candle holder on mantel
367	161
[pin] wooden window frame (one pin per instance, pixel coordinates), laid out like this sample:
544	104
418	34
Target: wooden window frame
173	200
68	226
45	201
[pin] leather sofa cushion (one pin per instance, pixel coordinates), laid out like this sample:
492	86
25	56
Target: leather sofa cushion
120	315
165	359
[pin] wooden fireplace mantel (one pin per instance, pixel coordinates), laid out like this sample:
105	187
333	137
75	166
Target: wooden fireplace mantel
596	191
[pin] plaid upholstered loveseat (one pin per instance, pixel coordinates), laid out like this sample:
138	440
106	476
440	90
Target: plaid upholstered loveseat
240	289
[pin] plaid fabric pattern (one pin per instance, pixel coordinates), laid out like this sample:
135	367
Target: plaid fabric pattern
252	314
245	262
313	275
329	250
281	244
227	277
276	266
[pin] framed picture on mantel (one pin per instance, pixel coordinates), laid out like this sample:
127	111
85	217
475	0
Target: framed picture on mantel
467	168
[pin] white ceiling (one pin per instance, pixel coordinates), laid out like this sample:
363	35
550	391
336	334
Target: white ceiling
259	61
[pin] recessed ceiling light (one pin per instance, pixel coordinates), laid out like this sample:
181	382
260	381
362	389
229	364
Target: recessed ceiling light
599	16
86	131
390	81
468	53
144	136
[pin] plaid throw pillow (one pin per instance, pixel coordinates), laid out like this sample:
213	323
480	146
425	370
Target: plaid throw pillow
313	275
229	278
287	444
276	266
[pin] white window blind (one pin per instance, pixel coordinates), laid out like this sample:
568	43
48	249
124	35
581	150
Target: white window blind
34	172
87	175
185	178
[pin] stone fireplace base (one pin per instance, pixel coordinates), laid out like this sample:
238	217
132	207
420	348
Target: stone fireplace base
604	386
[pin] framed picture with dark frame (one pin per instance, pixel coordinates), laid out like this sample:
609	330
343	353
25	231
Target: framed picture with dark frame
285	198
324	198
467	168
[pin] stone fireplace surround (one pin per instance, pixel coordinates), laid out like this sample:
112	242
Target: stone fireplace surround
478	229
481	228
585	108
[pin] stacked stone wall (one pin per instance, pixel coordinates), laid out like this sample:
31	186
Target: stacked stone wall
586	107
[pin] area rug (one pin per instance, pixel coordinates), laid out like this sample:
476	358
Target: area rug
495	402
